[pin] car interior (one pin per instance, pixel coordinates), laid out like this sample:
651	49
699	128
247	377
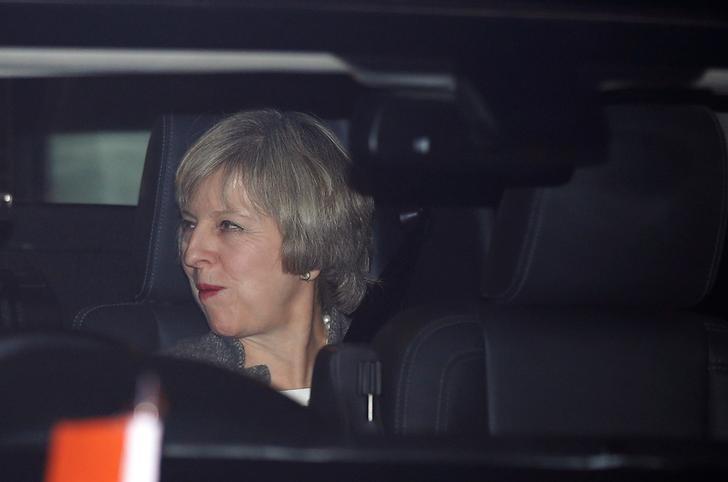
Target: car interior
548	271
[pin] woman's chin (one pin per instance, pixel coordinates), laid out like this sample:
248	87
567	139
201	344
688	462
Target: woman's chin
223	329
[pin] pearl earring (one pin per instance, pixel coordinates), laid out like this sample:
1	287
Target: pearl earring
306	276
327	327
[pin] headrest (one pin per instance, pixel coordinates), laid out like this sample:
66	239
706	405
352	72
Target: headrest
156	259
644	229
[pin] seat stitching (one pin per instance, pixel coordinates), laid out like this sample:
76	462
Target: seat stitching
402	395
486	366
147	269
444	380
152	247
720	235
163	208
405	371
535	218
80	318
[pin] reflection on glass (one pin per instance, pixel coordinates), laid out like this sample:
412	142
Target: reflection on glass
102	167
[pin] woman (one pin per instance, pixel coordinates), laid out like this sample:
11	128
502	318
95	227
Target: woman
274	243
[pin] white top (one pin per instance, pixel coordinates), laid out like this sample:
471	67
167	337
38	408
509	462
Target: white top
300	395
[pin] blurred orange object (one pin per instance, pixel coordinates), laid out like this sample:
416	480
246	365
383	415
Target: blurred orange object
112	449
87	450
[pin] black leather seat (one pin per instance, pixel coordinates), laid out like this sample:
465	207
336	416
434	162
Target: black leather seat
163	311
586	328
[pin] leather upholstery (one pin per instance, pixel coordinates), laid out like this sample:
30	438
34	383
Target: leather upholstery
156	258
433	372
666	178
340	388
585	333
164	311
534	372
144	325
586	372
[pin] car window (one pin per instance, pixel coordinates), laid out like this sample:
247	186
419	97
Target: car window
82	140
94	167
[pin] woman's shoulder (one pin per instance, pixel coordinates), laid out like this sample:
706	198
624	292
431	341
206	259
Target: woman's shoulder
221	351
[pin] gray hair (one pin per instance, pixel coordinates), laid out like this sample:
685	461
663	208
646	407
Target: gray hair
295	170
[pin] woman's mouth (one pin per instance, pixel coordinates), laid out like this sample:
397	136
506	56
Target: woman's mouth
206	291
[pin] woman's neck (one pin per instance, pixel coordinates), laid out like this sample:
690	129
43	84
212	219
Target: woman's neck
289	353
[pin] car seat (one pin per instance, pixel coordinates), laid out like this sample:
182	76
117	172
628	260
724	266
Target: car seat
585	328
163	311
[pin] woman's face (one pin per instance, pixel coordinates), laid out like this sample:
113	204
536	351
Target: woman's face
232	257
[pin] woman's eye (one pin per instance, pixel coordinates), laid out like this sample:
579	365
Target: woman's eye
187	225
230	226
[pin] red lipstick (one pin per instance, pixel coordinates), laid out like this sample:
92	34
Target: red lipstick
206	291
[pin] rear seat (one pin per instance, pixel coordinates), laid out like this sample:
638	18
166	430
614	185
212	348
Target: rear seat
163	311
586	328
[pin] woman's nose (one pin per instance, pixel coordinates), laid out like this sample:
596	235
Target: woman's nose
198	248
